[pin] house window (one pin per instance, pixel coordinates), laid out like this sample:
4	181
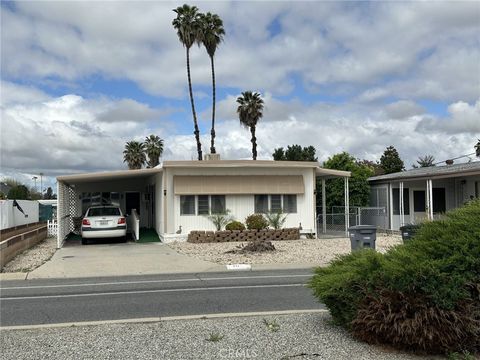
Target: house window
275	203
396	201
439	201
261	204
419	201
187	205
290	204
203	205
218	204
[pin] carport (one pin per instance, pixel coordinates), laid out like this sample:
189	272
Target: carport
135	191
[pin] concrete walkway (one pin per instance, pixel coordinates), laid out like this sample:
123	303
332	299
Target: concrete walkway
119	259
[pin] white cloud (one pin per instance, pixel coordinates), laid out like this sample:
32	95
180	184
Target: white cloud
422	48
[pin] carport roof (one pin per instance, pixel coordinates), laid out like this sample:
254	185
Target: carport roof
109	175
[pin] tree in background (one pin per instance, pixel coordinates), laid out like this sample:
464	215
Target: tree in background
295	153
19	192
211	35
359	188
372	165
424	161
250	111
49	194
188	29
477	148
390	161
134	154
153	149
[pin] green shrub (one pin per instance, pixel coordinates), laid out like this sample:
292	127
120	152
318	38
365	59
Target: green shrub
423	295
256	221
235	225
220	220
276	220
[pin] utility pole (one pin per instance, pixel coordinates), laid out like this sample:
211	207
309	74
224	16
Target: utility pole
41	184
35	180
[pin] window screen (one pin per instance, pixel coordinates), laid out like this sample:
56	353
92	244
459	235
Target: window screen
218	204
419	201
439	201
275	203
396	201
203	205
290	203
187	205
261	204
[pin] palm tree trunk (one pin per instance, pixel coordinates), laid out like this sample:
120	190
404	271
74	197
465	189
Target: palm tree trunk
254	142
195	123
212	132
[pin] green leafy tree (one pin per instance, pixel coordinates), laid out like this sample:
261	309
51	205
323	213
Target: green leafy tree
48	194
372	165
295	153
134	154
153	149
250	111
19	192
391	161
424	161
187	24
211	35
359	188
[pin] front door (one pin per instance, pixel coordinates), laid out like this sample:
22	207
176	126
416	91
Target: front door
132	201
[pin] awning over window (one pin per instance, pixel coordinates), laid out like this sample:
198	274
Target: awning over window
224	185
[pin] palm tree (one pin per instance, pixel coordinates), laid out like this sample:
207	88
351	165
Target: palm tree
153	149
188	29
134	154
211	36
250	110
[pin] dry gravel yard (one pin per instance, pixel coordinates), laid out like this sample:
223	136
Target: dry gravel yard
316	251
306	336
32	258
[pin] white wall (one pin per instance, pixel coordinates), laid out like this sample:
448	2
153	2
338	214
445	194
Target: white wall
240	205
10	216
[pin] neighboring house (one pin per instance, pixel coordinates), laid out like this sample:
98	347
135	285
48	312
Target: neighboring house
183	193
427	192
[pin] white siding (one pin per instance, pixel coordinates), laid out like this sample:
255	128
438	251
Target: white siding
240	205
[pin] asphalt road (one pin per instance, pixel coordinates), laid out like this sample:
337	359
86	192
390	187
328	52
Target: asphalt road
50	301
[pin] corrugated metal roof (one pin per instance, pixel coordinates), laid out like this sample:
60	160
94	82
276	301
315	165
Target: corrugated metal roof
432	171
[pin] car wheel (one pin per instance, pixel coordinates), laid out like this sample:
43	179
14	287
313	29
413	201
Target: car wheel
84	241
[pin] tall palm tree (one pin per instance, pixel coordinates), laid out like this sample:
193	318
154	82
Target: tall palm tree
134	154
250	110
211	36
154	149
188	29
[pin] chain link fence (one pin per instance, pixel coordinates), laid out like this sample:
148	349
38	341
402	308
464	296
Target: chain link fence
335	219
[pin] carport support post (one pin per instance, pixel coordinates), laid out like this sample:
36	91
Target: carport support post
324	207
347	206
402	211
429	198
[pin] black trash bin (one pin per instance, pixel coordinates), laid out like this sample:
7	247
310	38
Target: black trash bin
408	231
363	236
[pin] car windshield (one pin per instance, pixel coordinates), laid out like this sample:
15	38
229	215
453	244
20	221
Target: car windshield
104	211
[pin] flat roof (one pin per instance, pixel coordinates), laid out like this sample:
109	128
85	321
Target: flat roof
455	170
108	175
195	164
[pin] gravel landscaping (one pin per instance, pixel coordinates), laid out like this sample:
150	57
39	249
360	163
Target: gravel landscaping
305	336
316	251
32	258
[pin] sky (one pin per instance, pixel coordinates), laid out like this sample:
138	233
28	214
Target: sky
80	79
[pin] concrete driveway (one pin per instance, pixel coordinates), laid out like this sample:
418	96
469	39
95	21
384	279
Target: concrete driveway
119	259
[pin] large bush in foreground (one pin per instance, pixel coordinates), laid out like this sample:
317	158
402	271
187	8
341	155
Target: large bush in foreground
423	295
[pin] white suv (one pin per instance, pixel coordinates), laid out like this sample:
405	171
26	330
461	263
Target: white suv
103	222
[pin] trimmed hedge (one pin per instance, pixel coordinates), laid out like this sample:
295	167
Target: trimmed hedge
423	295
235	225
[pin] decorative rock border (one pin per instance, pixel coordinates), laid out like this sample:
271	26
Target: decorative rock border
243	235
